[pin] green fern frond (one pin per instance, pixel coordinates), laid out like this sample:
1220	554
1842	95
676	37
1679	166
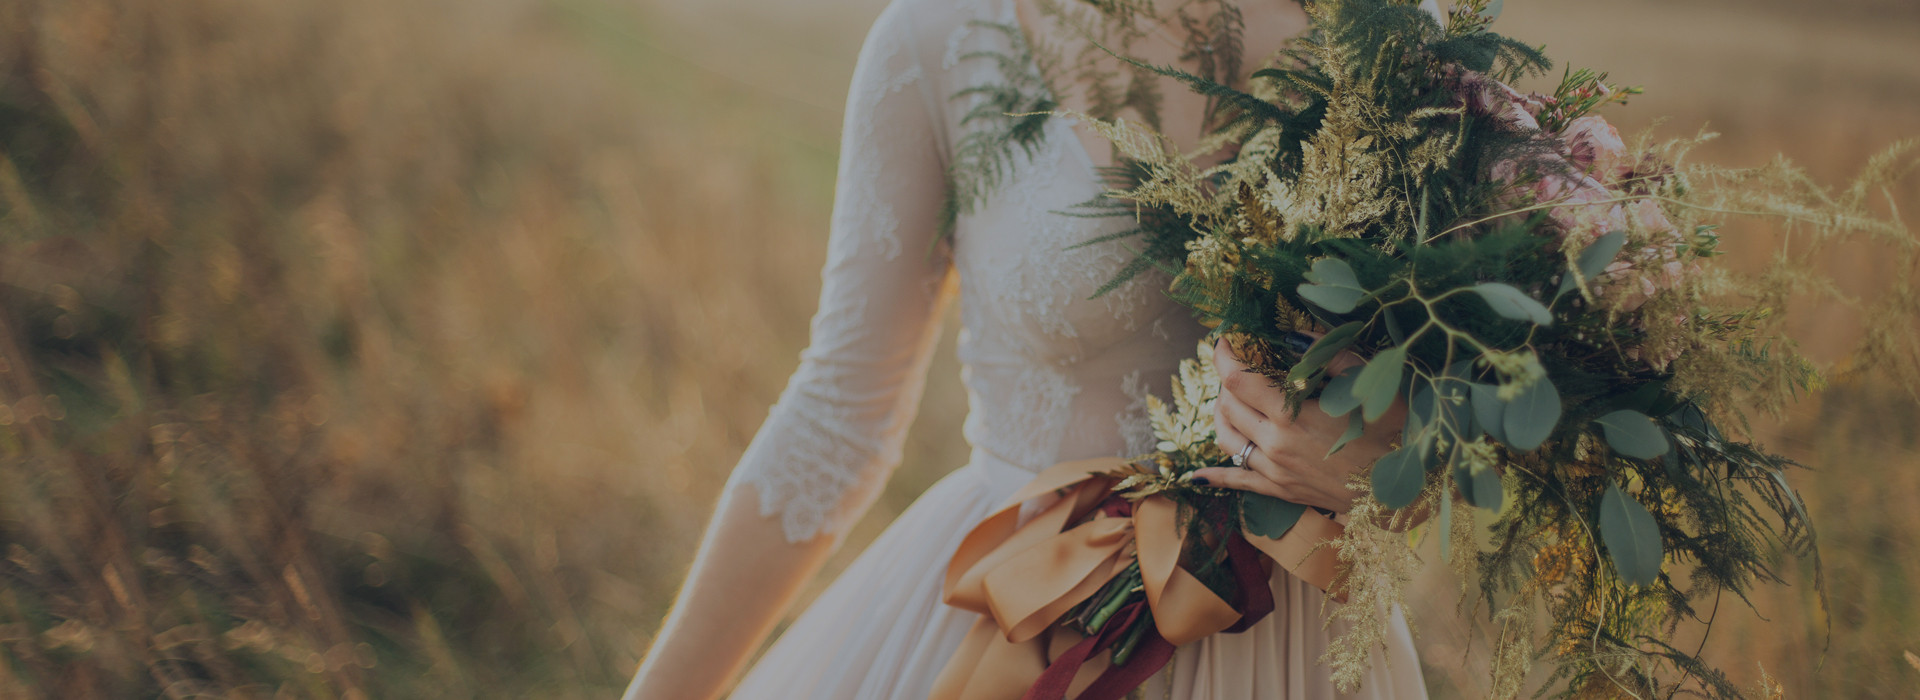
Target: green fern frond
1008	119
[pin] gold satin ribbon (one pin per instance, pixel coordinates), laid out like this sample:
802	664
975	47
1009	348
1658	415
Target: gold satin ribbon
1022	578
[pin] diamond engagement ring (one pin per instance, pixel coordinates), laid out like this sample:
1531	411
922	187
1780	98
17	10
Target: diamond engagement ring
1240	459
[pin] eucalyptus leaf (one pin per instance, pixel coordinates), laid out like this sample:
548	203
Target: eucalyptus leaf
1633	434
1530	417
1325	349
1482	489
1493	9
1379	381
1355	427
1267	516
1632	537
1423	403
1512	303
1333	272
1594	259
1445	401
1415	430
1338	300
1651	398
1488	410
1399	476
1338	398
1334	286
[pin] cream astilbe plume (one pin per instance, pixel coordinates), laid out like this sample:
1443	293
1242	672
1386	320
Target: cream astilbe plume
1380	565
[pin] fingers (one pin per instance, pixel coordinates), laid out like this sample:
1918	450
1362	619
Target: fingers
1225	434
1236	424
1225	363
1259	392
1253	390
1250	423
1235	376
1239	479
1261	473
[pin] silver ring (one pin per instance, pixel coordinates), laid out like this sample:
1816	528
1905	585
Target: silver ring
1240	460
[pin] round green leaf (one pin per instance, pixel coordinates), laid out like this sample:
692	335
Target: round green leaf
1415	430
1488	410
1338	399
1334	286
1325	349
1512	303
1356	426
1422	404
1530	417
1633	434
1399	476
1444	401
1379	381
1632	537
1482	490
1338	300
1595	258
1267	516
1333	272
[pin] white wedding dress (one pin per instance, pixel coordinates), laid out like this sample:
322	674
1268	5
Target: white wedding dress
1051	375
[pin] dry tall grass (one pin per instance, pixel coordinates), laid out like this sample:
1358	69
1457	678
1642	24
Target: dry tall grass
398	349
364	349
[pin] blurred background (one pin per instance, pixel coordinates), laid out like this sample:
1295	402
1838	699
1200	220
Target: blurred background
399	348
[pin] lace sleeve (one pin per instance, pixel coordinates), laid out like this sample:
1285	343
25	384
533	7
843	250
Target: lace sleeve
836	431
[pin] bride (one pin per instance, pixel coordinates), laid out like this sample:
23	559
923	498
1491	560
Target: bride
927	212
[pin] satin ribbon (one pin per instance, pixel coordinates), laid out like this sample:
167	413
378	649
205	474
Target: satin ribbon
1023	578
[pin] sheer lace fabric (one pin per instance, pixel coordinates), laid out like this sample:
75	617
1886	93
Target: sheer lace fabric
837	429
1051	374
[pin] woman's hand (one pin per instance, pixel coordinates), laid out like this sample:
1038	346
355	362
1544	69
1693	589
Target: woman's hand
1289	460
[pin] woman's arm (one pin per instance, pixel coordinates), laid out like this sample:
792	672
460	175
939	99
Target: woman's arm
746	575
826	447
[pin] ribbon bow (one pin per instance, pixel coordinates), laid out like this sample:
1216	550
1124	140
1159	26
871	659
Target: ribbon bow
1023	578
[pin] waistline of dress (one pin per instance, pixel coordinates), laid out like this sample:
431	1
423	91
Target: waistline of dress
1000	477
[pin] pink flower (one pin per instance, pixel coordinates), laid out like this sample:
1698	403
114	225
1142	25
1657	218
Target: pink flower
1487	97
1648	217
1591	188
1636	276
1594	147
1582	209
1578	204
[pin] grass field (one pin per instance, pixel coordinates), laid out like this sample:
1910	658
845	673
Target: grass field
398	349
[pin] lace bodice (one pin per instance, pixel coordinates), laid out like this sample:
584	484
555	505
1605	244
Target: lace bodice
1051	373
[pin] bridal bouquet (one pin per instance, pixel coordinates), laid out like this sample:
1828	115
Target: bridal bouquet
1089	597
1541	297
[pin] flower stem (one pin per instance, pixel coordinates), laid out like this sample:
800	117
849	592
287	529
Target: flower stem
1125	650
